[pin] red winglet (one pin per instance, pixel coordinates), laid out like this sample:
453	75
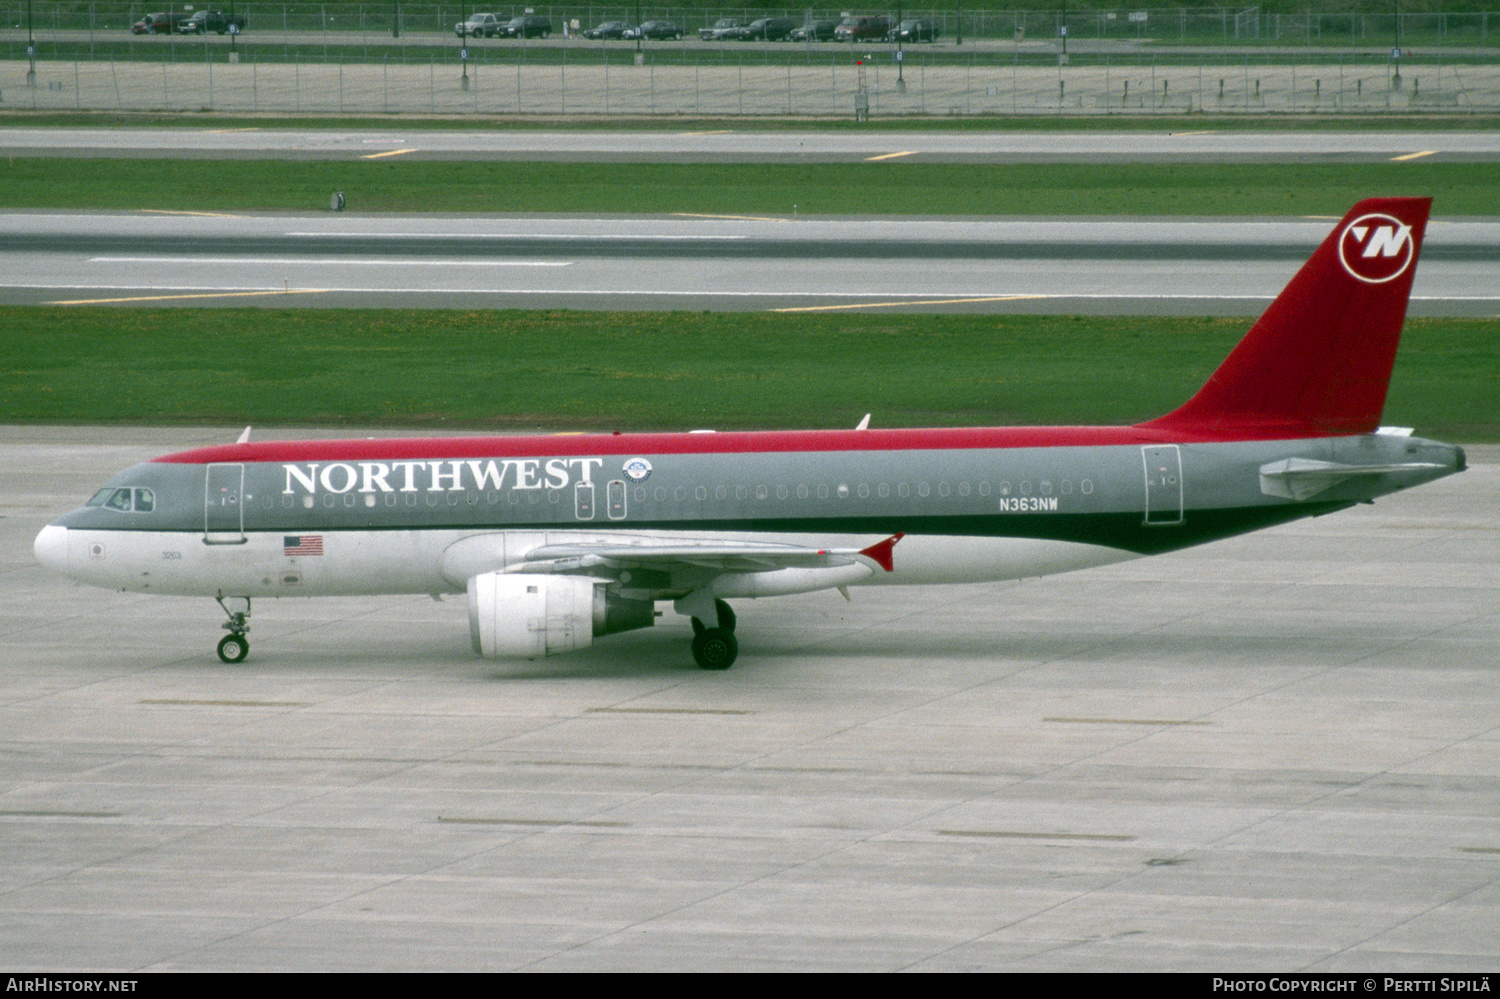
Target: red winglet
880	551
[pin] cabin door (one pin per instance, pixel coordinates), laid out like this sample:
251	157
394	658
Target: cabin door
1163	464
223	505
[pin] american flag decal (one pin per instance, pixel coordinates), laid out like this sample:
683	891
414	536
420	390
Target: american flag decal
302	544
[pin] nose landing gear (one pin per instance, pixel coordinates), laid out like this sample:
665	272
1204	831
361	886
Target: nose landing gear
234	647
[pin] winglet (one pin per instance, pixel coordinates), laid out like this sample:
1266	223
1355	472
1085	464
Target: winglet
880	551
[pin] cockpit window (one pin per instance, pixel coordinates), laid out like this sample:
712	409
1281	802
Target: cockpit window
125	500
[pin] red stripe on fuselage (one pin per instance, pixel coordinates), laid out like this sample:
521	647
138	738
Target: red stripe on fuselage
763	442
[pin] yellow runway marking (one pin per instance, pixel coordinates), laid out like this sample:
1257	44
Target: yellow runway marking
1414	156
889	156
173	298
388	152
928	301
737	218
200	215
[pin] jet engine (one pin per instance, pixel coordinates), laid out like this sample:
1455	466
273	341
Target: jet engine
533	615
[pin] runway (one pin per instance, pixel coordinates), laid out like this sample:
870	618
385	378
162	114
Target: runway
714	143
725	263
1277	753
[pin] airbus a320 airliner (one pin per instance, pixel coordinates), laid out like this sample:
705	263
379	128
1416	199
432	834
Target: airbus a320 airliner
559	540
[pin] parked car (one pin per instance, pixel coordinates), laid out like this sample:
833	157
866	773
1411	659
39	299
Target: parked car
211	20
920	29
659	30
526	26
609	29
861	27
766	29
723	28
159	24
479	26
815	31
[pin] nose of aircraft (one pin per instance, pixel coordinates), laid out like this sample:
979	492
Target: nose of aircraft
51	548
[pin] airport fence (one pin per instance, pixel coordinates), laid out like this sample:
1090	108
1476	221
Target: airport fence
1226	25
300	58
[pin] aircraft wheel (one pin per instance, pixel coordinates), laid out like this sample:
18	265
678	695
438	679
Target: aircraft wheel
726	615
698	627
234	648
716	648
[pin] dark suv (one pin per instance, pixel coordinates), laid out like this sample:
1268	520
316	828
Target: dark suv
526	26
724	27
917	30
861	27
767	29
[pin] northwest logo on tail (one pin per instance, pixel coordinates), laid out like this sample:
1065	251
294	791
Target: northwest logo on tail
1376	248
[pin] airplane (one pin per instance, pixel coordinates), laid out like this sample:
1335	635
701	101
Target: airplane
558	540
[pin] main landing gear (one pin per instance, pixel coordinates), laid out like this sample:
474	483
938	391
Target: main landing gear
716	648
234	647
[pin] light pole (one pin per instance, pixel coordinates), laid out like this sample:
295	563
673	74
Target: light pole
30	49
1396	52
463	47
900	54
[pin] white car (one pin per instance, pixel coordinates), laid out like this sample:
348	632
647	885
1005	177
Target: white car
479	26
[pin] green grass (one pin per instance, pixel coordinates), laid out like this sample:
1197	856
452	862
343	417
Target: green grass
900	187
619	370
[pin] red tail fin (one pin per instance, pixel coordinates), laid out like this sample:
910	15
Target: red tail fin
1318	362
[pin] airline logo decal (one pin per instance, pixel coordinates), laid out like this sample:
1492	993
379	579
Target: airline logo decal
1376	248
638	469
442	476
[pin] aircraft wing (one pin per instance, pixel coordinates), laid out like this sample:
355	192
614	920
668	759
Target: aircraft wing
713	556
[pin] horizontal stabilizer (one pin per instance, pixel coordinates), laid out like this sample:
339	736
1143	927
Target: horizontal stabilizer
1301	478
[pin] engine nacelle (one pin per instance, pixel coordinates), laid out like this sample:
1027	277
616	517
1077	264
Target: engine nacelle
533	615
